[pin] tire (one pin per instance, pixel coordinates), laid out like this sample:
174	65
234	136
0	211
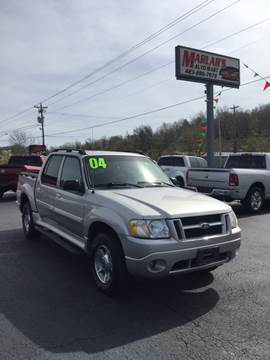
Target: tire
27	223
254	200
108	264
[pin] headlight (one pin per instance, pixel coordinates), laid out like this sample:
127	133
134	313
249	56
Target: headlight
153	229
233	219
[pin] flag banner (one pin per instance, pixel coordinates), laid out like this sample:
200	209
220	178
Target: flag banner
266	85
203	128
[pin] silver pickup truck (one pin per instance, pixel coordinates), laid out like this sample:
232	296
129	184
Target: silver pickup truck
123	211
245	177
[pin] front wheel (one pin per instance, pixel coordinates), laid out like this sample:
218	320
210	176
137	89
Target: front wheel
108	264
27	222
254	199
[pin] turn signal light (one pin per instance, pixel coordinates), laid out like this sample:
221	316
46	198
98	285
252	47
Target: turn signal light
233	180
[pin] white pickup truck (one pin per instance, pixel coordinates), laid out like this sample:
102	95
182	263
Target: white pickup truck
176	166
245	177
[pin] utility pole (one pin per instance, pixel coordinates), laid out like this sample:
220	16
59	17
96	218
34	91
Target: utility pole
219	141
233	108
210	124
40	119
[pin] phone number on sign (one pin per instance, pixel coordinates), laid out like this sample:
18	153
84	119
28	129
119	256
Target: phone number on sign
205	74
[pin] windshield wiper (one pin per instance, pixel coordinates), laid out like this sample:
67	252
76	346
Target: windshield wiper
114	184
155	183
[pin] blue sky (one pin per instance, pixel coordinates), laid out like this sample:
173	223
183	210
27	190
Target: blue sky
46	46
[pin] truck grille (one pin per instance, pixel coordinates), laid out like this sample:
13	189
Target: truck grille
201	226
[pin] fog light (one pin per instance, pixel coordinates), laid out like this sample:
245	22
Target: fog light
157	265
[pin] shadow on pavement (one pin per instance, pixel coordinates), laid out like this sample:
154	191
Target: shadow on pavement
242	212
49	296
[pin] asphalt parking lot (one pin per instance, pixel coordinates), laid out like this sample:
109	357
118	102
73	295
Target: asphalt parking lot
50	309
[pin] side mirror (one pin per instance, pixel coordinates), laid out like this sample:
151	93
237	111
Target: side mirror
174	181
72	185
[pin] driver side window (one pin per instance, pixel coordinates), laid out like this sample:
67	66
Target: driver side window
71	171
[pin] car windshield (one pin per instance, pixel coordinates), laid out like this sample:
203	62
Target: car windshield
124	171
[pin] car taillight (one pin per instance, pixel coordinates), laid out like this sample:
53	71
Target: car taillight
187	177
233	180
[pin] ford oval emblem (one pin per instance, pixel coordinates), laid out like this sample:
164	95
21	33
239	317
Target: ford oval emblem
205	226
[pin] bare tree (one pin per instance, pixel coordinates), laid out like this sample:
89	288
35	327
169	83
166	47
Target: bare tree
19	141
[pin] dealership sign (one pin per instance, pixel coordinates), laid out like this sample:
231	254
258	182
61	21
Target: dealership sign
205	67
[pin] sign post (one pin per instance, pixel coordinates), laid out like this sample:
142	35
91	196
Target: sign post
210	69
210	123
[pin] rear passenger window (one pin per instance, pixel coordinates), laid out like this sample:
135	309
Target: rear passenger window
171	161
194	162
50	173
202	162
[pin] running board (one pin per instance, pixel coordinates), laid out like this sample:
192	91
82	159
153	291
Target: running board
60	241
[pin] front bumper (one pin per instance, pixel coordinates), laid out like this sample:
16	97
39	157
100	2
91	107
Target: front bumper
162	264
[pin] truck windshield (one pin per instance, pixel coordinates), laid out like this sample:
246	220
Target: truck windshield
246	161
171	161
124	171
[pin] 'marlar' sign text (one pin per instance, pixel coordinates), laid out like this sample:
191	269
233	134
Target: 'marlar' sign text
205	67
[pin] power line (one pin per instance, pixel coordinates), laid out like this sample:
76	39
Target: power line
123	54
148	112
27	127
164	65
158	68
136	46
130	117
117	85
142	55
238	32
17	115
148	72
248	44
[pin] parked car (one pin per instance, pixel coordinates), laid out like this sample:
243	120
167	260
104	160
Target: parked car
9	173
176	166
245	177
123	211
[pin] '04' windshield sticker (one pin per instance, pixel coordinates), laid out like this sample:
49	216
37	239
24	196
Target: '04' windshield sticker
96	163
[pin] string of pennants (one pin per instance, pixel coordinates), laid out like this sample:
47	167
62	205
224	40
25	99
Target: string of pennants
203	126
256	74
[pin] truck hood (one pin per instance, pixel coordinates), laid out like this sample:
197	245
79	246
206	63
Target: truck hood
166	202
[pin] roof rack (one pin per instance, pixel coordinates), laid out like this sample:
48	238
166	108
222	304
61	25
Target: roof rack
135	152
80	151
